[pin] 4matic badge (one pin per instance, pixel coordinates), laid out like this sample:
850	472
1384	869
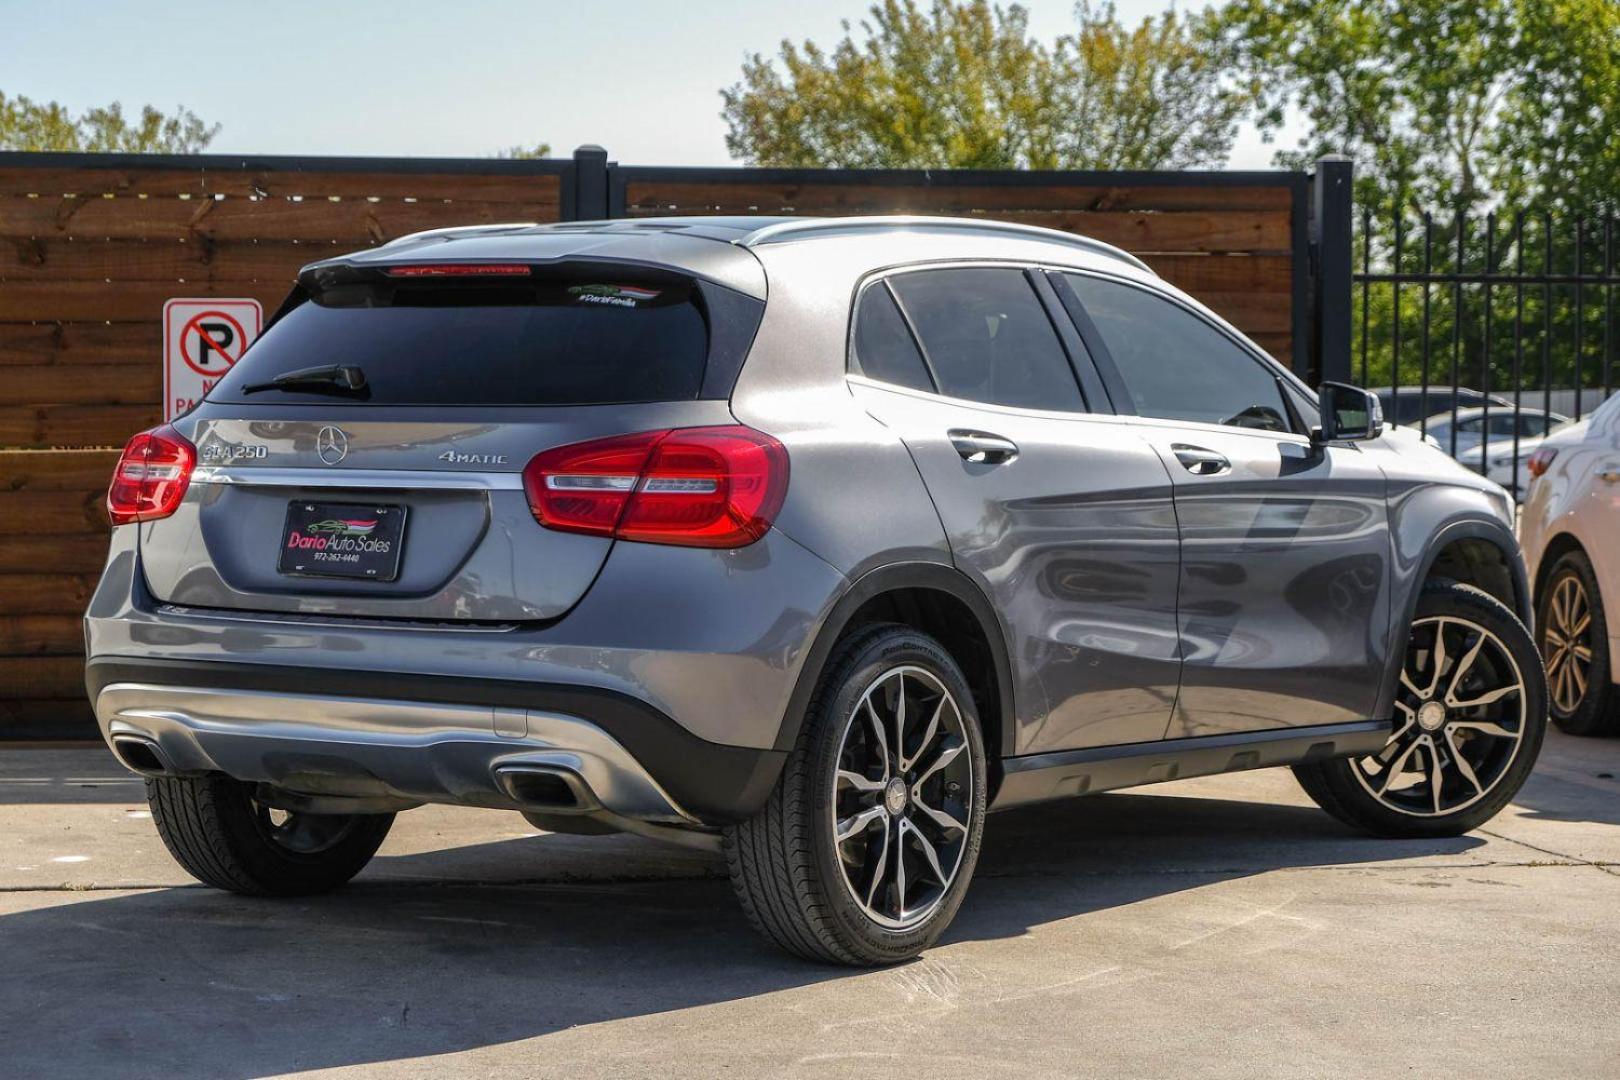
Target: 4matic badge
456	457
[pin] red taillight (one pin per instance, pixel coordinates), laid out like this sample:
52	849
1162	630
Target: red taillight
460	270
151	476
717	487
1541	459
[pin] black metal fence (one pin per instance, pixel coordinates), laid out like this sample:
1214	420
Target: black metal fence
1486	331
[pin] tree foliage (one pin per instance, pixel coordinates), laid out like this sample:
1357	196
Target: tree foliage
1154	97
1497	118
525	153
29	125
1452	103
1557	138
963	85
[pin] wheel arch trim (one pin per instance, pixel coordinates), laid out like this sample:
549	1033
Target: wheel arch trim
890	578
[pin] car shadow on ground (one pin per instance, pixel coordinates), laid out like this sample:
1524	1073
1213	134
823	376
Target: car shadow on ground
415	959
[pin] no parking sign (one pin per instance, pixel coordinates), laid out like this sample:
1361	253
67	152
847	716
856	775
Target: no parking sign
202	339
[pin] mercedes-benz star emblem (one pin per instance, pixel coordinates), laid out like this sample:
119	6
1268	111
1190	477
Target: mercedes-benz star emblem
331	445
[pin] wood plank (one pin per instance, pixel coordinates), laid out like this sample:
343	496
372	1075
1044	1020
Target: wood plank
79	553
45	426
87	301
82	343
35	471
1230	273
1267	232
46	594
69	722
1281	346
39	259
354	222
28	677
743	195
56	513
312	183
82	384
41	635
1253	313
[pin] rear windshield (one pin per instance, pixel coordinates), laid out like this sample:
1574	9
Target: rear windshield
536	341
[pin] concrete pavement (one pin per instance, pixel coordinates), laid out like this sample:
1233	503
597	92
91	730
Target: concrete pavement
1218	927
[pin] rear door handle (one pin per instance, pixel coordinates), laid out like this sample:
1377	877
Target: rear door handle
1610	474
1200	462
981	447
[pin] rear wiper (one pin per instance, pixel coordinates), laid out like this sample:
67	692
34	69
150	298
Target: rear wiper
330	379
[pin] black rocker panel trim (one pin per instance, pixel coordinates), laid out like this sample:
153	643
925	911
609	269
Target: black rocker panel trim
1039	777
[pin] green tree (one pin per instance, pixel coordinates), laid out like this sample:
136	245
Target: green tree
1494	116
1155	97
1409	89
1443	103
29	125
1556	142
525	153
963	85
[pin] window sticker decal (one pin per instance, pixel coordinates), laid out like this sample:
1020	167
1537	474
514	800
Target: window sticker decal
613	295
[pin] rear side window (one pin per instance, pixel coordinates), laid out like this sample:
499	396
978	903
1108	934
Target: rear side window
545	341
884	349
1175	365
987	338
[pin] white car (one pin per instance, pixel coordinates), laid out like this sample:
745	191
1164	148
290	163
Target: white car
1570	532
1500	457
1473	426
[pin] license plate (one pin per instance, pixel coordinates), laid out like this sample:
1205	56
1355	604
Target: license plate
348	540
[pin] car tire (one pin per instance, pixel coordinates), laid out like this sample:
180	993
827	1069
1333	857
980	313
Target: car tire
1483	705
1582	696
216	830
813	868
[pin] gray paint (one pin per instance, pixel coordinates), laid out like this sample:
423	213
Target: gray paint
1284	585
1134	602
713	639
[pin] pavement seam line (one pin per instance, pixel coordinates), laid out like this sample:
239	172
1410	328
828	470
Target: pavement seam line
1602	867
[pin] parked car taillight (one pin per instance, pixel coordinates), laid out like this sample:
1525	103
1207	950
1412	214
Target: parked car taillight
1541	459
718	487
151	476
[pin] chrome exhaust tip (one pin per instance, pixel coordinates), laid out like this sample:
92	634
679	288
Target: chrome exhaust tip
141	755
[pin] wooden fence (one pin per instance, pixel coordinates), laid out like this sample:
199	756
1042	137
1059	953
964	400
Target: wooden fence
92	245
1234	240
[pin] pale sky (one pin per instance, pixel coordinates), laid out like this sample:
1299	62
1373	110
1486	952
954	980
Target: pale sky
411	78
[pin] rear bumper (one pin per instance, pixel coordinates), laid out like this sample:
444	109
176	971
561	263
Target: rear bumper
686	658
426	739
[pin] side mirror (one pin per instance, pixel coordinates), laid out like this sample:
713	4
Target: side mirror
1348	413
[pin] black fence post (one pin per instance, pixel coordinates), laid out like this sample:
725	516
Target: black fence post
590	184
1330	270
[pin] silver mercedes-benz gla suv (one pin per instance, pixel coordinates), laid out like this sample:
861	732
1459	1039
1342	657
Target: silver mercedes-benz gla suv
810	541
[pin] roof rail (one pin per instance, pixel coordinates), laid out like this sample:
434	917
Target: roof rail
808	228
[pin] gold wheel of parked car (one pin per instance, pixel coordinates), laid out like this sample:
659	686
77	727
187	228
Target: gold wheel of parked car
1566	644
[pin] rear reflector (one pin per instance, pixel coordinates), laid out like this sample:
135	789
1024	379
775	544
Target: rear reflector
151	476
718	487
460	270
1541	459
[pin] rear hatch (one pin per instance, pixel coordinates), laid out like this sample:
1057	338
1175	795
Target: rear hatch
365	456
